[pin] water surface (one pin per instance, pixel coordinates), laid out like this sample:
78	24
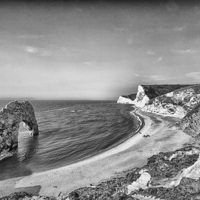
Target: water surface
68	132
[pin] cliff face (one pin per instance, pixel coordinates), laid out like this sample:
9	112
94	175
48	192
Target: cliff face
190	124
169	100
126	99
10	118
142	98
176	103
147	92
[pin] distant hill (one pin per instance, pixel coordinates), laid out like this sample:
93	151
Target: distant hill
177	103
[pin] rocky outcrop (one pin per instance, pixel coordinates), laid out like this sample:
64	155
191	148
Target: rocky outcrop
10	118
170	175
142	98
169	100
147	92
177	103
190	124
166	169
125	100
166	176
27	196
174	175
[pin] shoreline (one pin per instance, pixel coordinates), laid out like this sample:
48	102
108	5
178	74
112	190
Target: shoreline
140	119
141	125
132	134
101	166
8	182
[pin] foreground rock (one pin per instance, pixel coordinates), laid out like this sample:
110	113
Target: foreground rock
170	175
163	175
10	118
26	196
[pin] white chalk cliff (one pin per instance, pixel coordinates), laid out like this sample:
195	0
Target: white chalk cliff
124	100
141	97
169	100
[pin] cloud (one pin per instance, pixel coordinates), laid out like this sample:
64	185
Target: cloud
185	51
158	78
155	78
4	64
178	28
79	9
136	74
151	52
31	49
194	75
87	63
130	41
38	51
45	53
159	59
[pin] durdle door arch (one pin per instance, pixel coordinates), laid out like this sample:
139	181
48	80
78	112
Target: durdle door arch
10	118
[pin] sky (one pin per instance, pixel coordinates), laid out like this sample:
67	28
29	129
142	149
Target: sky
98	49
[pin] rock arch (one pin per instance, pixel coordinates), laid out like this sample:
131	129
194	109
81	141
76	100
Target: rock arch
10	118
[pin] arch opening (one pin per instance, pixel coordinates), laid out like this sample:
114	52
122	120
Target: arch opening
10	118
27	145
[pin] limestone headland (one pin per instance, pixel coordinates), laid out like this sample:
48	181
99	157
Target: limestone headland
168	100
10	118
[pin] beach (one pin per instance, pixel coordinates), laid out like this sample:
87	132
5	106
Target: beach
134	152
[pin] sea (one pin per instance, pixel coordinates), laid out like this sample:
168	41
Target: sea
69	131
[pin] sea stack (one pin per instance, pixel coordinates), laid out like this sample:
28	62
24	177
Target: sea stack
10	118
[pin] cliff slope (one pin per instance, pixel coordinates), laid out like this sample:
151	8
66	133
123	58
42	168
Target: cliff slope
177	103
127	99
190	124
147	92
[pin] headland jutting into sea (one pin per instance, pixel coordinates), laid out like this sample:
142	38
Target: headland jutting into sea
161	161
